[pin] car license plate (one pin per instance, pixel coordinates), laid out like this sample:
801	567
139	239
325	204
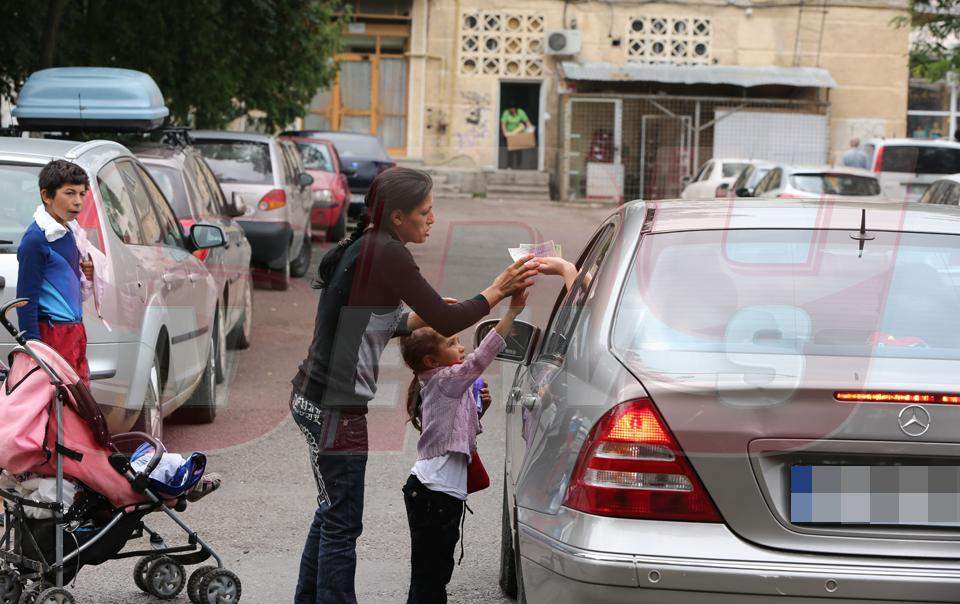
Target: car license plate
356	198
875	495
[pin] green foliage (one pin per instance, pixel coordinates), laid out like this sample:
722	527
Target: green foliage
936	49
214	60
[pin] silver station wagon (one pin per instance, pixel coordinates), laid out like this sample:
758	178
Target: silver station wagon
741	401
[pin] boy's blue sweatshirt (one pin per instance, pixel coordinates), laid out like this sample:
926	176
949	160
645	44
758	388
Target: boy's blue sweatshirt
49	276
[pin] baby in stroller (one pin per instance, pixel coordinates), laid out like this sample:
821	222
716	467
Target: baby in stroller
103	486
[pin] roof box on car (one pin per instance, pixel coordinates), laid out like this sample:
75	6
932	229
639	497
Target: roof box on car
91	99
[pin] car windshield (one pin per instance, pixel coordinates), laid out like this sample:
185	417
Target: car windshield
732	169
836	184
920	159
792	291
315	156
21	196
171	183
352	146
237	161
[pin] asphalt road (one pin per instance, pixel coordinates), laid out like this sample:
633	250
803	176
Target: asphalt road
258	520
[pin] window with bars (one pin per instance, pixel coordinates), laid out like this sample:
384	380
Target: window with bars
501	44
676	40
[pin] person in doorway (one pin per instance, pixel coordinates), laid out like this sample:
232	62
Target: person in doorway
855	157
364	282
52	273
512	121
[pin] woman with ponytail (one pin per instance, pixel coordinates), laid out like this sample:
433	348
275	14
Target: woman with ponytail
365	281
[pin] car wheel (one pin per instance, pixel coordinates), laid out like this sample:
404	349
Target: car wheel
202	406
220	343
301	264
280	278
508	569
339	230
239	338
151	412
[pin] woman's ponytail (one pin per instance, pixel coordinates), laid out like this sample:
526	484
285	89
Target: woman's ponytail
414	403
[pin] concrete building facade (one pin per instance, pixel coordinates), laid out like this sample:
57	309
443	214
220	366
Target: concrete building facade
640	86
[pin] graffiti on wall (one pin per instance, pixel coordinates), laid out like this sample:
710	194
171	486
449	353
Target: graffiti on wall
476	112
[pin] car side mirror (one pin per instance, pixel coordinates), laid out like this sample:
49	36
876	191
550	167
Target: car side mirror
347	171
206	236
237	207
304	180
743	192
520	341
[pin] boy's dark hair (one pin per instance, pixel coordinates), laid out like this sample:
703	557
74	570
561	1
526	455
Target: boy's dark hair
60	172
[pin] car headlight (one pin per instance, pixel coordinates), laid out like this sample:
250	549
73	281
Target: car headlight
322	195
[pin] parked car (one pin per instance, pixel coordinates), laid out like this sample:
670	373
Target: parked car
363	158
151	345
268	174
714	178
749	178
786	182
331	192
679	430
945	191
196	198
906	167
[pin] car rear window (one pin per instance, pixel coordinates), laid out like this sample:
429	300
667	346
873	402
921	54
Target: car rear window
791	291
836	184
21	196
315	156
362	147
920	159
731	170
238	161
171	183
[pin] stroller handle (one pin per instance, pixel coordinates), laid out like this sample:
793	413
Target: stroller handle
5	310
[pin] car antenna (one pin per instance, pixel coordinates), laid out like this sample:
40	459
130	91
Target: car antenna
862	236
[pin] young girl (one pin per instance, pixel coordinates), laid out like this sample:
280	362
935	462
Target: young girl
442	407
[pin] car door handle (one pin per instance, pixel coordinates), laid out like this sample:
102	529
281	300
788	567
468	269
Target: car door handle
528	401
171	278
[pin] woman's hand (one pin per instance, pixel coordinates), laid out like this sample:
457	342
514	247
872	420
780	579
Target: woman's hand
554	265
518	275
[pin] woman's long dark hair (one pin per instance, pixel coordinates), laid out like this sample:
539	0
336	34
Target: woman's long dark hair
393	189
414	348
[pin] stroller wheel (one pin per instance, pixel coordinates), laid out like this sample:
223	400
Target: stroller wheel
55	595
165	578
140	571
219	586
193	585
10	587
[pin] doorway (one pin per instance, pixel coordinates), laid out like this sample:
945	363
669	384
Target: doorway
526	96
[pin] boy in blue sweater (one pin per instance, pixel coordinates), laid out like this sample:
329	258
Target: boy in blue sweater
52	274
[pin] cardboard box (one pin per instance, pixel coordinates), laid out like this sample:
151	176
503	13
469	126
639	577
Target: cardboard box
521	140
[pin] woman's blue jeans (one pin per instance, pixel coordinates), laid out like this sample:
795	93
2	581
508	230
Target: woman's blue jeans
337	443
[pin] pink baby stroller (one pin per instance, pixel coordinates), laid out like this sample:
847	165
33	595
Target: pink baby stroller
51	426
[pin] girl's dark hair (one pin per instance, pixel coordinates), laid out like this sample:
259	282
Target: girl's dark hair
415	348
398	188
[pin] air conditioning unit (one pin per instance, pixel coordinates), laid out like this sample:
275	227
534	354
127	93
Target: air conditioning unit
563	42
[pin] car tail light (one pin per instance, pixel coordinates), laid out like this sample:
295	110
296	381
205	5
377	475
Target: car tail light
897	397
275	198
632	467
186	223
878	160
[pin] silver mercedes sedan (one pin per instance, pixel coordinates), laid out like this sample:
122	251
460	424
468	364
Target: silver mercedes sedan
740	401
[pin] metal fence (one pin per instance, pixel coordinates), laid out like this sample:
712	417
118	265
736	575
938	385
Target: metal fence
627	147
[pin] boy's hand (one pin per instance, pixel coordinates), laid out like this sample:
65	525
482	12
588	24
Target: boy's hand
86	265
484	400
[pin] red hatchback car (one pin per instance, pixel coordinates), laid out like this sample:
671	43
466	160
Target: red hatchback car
330	189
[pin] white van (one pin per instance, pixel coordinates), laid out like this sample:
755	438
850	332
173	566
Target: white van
906	167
